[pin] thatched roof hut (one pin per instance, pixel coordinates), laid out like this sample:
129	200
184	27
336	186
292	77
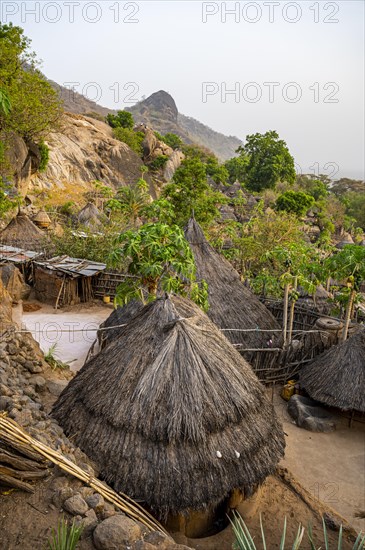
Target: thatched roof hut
171	413
23	233
337	377
90	216
232	305
42	219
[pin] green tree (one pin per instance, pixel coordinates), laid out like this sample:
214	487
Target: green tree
269	161
172	140
237	167
131	200
189	191
348	265
35	105
159	258
123	119
6	203
5	104
295	202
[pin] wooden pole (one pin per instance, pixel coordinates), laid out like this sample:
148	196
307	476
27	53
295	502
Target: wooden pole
292	308
348	316
285	314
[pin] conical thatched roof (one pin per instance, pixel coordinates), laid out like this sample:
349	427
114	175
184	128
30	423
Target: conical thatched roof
171	413
337	377
232	305
89	215
23	233
42	219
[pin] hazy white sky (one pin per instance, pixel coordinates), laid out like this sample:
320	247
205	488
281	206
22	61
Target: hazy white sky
296	67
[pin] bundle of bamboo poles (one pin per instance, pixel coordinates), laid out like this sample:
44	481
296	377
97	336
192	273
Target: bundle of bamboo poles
13	435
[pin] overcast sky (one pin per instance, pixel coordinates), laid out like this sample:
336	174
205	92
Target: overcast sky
296	67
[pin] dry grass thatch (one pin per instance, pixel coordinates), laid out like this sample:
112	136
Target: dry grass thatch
21	232
337	377
232	305
171	413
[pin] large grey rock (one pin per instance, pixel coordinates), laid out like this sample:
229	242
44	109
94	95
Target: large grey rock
76	505
56	387
308	414
14	282
116	533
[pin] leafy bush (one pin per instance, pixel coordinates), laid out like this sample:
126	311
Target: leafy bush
295	202
172	140
132	139
159	162
160	259
123	119
44	154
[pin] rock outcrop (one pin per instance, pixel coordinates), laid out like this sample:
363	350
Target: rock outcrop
85	151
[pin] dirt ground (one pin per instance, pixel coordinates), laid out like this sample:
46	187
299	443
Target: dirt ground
72	329
331	466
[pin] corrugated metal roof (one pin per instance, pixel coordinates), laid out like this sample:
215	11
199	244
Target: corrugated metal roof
75	267
17	255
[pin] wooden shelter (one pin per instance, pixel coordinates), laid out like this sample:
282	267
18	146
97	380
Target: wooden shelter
64	281
172	414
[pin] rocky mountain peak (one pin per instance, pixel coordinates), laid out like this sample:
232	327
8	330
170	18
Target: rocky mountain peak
162	103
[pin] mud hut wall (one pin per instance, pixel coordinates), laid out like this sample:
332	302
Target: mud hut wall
48	284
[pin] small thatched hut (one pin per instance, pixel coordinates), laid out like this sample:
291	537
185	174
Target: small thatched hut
23	233
172	414
337	377
42	219
232	305
90	216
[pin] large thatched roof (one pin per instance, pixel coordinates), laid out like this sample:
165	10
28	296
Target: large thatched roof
171	413
23	233
232	305
337	377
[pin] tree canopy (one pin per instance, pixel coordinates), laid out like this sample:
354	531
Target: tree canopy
35	106
269	161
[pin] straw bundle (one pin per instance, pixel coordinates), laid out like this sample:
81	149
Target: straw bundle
13	434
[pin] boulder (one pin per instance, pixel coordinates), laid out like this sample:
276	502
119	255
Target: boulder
14	282
76	505
308	414
116	533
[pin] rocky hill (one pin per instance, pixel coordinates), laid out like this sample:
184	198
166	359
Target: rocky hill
161	113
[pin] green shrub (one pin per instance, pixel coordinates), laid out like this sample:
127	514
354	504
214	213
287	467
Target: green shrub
159	162
132	139
295	202
123	119
44	155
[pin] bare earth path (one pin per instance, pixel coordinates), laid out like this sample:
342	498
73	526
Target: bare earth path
73	330
329	465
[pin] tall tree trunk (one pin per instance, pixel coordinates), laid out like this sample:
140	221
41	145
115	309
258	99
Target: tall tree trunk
348	315
285	314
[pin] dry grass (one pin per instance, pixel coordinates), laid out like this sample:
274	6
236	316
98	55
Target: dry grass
171	413
337	377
